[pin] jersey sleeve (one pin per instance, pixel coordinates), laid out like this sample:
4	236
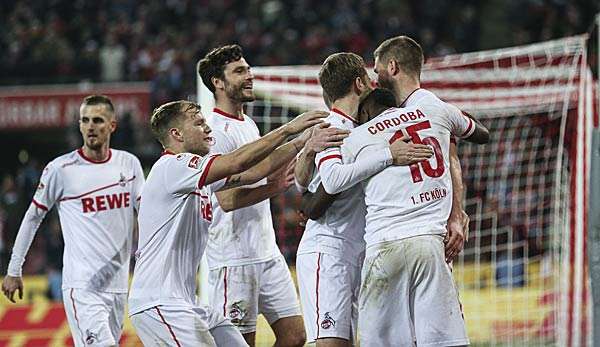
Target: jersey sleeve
50	187
138	182
358	140
49	190
337	176
187	172
332	154
461	125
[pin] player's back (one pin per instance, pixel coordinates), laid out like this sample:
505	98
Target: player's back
340	230
406	201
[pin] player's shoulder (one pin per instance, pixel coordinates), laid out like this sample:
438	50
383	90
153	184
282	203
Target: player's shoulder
428	102
68	159
119	153
426	97
332	118
221	118
337	121
184	159
229	126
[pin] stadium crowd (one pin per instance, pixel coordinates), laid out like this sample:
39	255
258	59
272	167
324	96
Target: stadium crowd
130	40
160	41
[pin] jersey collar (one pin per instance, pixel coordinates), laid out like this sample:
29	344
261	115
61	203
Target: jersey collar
403	104
80	151
335	110
166	152
225	114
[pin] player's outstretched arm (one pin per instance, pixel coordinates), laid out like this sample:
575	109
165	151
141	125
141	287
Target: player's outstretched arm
13	282
472	129
279	175
252	153
337	177
481	135
277	167
314	205
321	138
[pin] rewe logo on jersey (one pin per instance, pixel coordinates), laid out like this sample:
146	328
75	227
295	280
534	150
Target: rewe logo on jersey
105	202
206	210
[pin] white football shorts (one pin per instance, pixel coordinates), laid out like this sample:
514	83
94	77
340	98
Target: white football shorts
408	296
95	318
240	293
180	326
329	296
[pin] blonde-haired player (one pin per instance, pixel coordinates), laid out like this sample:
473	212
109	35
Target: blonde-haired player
175	212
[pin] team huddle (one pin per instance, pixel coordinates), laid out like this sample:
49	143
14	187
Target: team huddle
381	189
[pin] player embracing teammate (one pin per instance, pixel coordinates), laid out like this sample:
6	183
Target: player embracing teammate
332	247
407	294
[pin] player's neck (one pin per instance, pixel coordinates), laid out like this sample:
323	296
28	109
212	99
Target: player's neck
99	155
230	107
347	105
174	148
404	88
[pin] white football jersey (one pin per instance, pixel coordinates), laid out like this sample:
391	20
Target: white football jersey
95	203
173	221
406	201
340	230
246	235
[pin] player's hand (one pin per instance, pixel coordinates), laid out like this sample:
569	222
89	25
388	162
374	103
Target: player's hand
324	137
10	285
458	231
409	153
304	121
302	219
283	178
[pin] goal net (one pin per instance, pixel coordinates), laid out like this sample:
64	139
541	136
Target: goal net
523	276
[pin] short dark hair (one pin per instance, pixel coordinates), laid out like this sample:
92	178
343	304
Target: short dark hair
166	115
377	101
213	64
405	51
97	99
339	72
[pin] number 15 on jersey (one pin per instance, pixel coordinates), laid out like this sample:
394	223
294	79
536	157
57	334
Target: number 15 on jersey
415	169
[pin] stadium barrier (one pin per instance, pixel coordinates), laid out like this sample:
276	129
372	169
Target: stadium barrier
55	106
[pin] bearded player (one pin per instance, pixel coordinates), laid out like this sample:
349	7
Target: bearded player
407	292
96	190
248	274
398	63
332	247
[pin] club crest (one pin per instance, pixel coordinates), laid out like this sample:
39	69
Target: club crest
327	322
